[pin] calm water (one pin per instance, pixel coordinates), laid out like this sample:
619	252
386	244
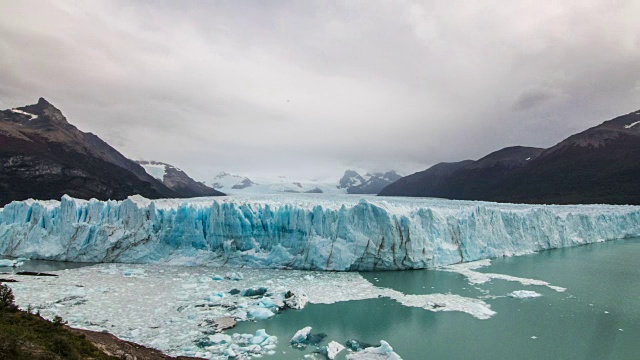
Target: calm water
570	325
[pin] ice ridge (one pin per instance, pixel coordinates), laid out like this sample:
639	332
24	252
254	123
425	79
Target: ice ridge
301	232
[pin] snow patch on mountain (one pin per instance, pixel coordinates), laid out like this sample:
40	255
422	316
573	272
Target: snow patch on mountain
17	111
158	171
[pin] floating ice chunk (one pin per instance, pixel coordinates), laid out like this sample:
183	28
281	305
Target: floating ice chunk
220	339
217	277
301	336
356	345
133	273
263	339
333	349
476	277
383	352
229	353
268	303
216	296
447	302
260	313
296	300
254	292
523	294
9	263
234	276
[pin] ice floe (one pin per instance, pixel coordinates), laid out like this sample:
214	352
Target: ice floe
477	277
382	352
333	349
301	336
178	309
10	263
524	294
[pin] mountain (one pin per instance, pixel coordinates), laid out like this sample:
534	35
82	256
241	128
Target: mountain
465	179
370	183
236	184
598	165
43	156
177	180
227	181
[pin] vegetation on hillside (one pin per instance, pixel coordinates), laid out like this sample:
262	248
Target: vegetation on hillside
28	336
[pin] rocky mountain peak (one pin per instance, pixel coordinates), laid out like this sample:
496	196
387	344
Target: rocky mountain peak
45	110
370	183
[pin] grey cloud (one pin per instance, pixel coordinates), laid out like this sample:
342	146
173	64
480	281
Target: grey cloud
308	88
532	98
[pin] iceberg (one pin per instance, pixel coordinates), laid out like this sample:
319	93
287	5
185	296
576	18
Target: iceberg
383	352
9	263
301	231
524	294
333	349
301	336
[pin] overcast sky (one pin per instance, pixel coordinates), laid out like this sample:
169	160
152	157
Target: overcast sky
307	89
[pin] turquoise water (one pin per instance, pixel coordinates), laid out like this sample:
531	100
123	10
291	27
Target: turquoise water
598	317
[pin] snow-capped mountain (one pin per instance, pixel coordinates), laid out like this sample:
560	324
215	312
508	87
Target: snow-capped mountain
225	182
237	184
177	180
369	183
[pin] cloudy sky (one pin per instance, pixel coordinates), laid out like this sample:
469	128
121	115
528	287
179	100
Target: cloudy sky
307	89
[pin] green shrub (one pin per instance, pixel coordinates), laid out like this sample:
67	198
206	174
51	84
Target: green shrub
6	298
58	321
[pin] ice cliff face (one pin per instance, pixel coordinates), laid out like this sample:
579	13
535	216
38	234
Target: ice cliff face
301	231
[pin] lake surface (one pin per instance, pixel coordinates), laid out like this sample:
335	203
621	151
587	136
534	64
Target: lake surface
597	317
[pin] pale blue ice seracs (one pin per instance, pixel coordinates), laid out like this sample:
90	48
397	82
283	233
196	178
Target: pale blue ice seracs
301	232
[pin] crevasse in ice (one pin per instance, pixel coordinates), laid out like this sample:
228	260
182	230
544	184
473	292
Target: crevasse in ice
300	231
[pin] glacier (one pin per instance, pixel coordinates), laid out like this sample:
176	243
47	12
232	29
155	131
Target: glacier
301	231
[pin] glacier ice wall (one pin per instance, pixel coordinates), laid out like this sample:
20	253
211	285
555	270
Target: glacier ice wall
301	232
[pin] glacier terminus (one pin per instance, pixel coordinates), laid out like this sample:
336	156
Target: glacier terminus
302	231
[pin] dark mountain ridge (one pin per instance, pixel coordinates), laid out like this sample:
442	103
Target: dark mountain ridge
43	156
598	165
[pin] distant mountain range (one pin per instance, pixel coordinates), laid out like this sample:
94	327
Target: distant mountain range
598	165
350	183
369	183
177	180
236	184
227	181
43	156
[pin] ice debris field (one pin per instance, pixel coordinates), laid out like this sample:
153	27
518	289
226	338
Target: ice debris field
178	310
344	233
